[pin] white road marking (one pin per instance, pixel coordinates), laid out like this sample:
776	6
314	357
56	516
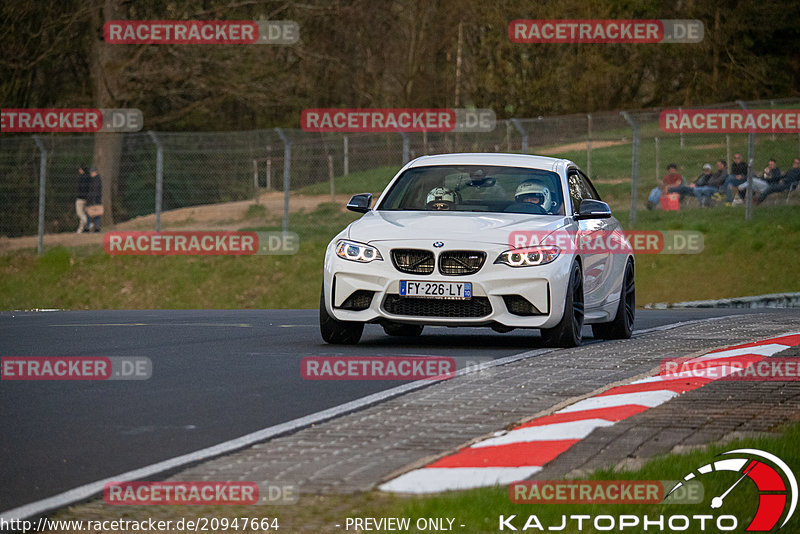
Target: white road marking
555	431
436	479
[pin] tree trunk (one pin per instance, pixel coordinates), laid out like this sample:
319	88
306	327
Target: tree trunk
104	61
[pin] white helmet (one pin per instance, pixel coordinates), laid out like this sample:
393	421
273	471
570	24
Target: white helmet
441	198
535	189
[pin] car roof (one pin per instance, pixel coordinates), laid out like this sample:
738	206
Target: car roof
492	158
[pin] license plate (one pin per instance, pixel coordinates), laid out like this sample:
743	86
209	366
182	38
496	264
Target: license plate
437	290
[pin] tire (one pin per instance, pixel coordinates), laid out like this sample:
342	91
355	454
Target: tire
337	332
567	333
622	325
404	330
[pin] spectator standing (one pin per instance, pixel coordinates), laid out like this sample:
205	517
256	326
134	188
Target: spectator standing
80	200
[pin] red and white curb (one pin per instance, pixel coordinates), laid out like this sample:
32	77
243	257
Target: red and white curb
520	453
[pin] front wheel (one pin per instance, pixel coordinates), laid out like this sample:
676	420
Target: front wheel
335	331
622	325
567	333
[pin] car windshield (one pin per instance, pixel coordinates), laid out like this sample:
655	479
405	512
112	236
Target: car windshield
481	188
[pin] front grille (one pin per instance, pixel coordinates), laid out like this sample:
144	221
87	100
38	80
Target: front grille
519	305
425	307
360	300
461	262
413	261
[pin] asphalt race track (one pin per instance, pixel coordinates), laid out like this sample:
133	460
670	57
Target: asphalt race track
217	375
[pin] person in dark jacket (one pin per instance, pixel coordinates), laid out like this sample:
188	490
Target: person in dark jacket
95	197
737	177
80	200
786	182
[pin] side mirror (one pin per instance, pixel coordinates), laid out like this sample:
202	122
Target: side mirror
593	209
360	203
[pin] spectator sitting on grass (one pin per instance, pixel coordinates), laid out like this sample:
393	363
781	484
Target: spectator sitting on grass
772	174
718	179
702	187
788	181
672	182
737	177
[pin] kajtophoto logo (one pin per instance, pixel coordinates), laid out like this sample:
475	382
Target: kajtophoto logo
775	482
773	498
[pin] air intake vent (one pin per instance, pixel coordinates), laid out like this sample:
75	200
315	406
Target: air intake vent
413	261
425	307
461	262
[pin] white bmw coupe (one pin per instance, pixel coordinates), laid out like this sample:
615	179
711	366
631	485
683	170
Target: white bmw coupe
480	240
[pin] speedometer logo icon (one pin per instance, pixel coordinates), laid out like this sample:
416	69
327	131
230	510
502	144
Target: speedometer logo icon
775	482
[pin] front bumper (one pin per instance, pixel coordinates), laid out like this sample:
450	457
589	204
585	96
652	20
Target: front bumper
496	289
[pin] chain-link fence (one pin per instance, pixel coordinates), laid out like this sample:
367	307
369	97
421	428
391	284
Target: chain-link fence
624	153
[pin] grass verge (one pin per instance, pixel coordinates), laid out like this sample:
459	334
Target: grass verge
739	259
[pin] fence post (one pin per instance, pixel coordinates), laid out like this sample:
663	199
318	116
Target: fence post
406	148
42	183
330	177
255	180
634	165
589	145
159	176
658	158
728	152
523	133
751	157
346	162
287	166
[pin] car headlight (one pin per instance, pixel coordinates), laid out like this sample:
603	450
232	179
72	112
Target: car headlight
353	251
528	257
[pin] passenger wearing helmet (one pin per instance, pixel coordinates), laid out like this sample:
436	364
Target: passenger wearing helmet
531	197
441	199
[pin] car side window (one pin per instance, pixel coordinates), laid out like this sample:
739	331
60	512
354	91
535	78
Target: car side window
587	189
575	189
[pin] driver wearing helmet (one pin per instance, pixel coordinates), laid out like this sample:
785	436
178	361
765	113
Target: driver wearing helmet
532	197
441	199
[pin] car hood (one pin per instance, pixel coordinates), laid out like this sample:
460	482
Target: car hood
494	228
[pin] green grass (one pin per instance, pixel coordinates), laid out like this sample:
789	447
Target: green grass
370	181
88	278
739	259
